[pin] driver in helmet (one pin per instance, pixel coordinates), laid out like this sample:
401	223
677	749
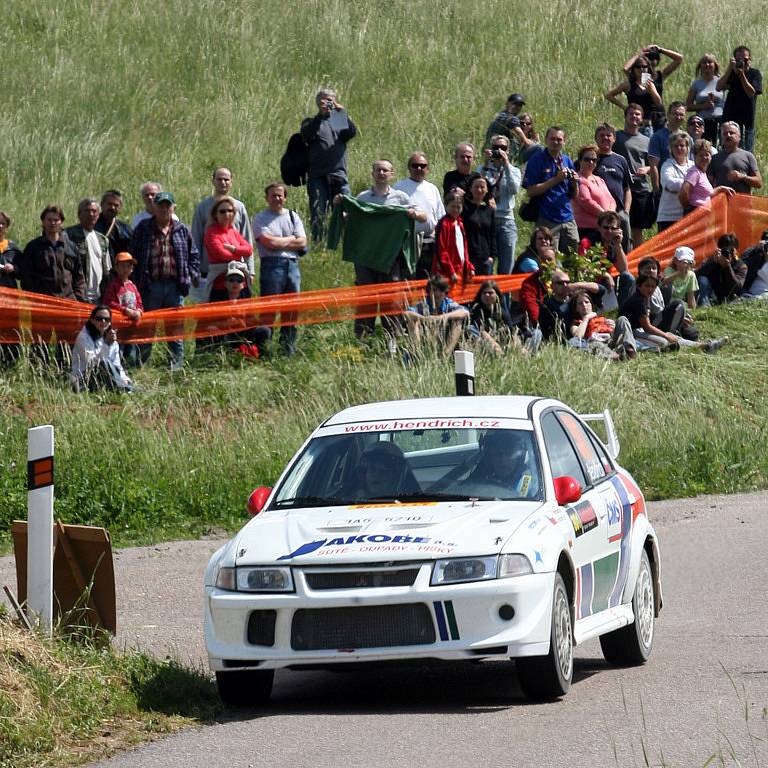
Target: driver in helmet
384	473
504	461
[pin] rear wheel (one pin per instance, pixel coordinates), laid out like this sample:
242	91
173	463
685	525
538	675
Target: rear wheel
549	677
632	645
245	687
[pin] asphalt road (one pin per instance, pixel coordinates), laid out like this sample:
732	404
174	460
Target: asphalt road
704	691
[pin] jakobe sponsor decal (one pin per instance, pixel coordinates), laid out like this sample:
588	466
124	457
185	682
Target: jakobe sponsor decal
386	542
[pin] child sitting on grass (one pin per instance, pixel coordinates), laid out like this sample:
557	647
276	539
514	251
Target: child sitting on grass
681	278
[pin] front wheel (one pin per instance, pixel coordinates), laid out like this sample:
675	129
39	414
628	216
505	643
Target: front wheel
245	688
632	645
549	677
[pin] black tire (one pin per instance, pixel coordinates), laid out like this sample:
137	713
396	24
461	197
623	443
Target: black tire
245	688
632	645
549	677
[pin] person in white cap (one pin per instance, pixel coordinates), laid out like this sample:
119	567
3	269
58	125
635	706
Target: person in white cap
681	278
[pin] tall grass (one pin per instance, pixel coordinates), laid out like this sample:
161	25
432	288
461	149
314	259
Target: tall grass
110	94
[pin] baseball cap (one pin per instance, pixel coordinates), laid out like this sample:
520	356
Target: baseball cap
516	98
695	119
165	197
236	268
124	256
684	253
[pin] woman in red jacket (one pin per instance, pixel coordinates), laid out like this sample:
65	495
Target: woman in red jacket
451	249
224	243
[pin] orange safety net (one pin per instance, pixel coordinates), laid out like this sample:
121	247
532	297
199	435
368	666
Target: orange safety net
41	317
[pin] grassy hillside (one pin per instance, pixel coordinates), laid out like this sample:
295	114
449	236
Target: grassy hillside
111	94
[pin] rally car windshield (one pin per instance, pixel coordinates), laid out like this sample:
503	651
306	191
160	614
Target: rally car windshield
413	466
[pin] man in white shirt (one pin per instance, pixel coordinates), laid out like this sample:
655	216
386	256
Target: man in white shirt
222	185
92	248
426	196
148	191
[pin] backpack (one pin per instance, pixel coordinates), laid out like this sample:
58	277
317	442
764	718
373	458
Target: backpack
294	164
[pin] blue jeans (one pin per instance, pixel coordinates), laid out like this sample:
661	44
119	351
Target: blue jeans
164	294
280	275
705	298
506	240
321	192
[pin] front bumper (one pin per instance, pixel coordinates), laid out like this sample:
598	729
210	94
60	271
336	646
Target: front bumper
487	619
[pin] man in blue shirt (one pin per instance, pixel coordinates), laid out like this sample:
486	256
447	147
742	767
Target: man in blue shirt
550	177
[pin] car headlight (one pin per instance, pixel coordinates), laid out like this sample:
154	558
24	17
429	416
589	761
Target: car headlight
461	569
514	565
465	569
260	579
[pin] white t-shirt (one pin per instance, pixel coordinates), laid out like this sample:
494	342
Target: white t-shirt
95	271
426	197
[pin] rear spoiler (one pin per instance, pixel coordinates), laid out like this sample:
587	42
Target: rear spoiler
610	431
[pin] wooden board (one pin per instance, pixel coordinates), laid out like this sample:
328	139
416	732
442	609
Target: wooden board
83	574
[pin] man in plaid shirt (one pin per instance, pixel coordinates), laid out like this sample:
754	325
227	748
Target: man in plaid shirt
168	264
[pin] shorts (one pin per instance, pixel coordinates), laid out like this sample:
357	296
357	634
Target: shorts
642	214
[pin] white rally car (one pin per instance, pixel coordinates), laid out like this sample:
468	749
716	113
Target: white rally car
448	528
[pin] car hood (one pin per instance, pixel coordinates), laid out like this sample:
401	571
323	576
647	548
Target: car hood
379	532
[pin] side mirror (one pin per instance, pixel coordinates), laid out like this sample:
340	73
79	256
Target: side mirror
567	490
258	499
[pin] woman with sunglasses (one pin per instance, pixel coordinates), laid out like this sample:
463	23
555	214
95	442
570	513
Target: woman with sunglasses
96	355
705	99
645	84
224	243
593	196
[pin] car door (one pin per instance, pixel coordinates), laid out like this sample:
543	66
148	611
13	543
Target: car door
571	452
603	579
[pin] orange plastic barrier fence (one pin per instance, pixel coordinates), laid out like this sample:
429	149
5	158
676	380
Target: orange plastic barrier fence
42	317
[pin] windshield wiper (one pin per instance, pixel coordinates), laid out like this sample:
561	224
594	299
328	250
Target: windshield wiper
313	501
436	496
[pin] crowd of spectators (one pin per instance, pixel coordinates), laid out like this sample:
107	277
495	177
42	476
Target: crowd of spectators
659	165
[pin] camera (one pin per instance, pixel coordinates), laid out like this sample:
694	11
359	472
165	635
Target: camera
496	153
328	104
741	64
654	49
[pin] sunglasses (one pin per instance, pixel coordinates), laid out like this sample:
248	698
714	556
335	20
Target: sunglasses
100	319
225	210
235	279
589	159
419	166
500	146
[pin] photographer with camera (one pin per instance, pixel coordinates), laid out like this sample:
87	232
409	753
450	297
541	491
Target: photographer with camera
744	84
721	277
326	135
504	183
551	179
517	127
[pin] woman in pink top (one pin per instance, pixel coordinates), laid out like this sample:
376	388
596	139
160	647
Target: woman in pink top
697	189
592	197
224	243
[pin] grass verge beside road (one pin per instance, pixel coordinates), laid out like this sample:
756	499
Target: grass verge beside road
66	702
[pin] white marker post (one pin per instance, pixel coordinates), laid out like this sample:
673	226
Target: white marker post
464	364
40	525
